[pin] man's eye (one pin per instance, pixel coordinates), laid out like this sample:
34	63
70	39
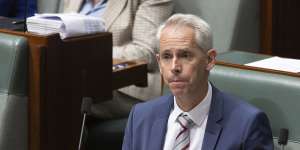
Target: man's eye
166	56
186	55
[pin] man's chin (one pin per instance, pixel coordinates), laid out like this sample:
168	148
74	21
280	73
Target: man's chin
177	92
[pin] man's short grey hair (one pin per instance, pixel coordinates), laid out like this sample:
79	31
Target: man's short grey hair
203	35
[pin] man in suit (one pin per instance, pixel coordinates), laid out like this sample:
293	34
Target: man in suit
196	115
133	24
17	8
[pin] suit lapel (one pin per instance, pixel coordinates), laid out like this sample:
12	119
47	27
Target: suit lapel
159	127
158	131
213	127
114	8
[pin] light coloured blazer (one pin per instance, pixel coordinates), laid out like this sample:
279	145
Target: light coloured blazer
134	24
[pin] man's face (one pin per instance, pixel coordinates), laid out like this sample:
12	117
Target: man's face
183	65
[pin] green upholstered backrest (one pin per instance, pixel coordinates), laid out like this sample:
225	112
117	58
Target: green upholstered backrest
13	92
277	95
240	57
13	64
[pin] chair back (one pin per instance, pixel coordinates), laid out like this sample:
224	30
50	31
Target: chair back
277	95
13	92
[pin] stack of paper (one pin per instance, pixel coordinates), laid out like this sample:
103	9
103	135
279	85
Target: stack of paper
278	63
67	25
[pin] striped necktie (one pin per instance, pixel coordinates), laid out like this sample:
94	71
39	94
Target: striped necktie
182	141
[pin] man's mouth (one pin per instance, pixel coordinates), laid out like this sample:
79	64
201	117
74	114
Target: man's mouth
177	82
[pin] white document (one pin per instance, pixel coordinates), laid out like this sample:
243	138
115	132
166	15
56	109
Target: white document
67	25
278	63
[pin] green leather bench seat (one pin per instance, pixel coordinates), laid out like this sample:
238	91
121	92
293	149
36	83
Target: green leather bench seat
13	92
277	95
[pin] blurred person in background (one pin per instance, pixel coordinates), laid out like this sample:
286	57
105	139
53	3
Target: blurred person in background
133	24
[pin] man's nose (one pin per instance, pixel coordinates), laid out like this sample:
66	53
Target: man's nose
176	66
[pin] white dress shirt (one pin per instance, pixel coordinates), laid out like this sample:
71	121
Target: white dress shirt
90	10
198	114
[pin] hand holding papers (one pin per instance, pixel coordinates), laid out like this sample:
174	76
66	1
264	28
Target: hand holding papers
278	63
67	25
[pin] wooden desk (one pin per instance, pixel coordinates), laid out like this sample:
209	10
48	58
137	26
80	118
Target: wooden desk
134	73
61	72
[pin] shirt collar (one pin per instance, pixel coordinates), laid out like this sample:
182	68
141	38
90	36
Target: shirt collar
90	2
198	113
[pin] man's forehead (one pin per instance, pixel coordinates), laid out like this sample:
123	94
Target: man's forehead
176	35
177	40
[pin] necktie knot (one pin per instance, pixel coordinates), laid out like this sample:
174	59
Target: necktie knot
185	121
182	140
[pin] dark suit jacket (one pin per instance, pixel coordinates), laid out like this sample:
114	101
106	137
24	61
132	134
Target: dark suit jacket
16	8
232	125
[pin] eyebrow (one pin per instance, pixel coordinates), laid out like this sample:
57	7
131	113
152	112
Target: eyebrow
179	50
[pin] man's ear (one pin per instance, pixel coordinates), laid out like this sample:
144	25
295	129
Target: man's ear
212	53
158	62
